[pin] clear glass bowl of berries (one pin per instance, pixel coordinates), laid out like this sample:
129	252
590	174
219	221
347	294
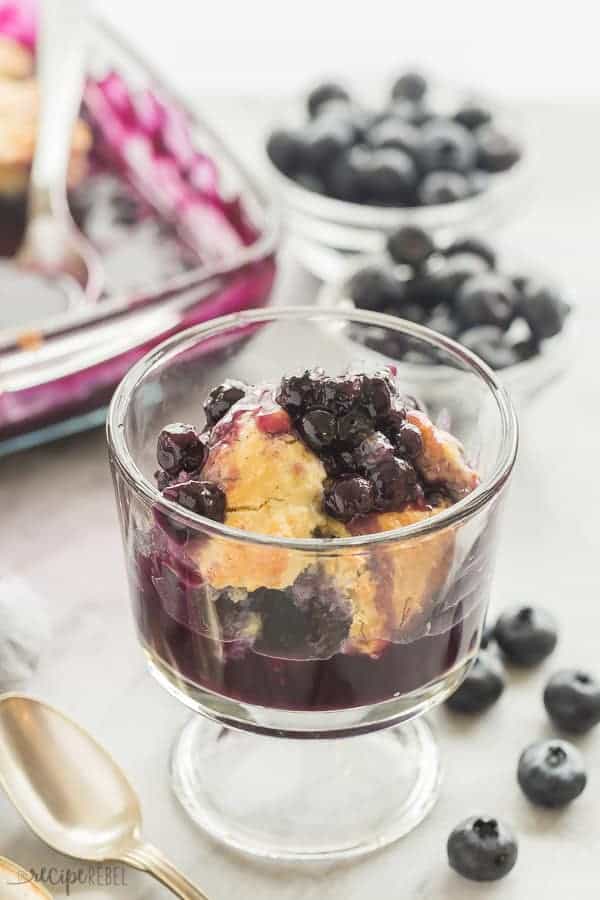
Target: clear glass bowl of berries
350	168
515	317
309	561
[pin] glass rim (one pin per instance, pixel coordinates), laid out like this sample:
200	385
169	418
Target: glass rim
463	509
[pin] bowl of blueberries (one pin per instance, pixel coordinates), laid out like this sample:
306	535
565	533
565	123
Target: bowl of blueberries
349	171
514	318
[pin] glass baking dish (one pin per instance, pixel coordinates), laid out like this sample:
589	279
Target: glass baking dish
57	375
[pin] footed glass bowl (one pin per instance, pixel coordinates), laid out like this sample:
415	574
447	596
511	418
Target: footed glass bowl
239	769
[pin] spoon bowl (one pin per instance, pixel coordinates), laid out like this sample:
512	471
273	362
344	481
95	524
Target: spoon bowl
72	794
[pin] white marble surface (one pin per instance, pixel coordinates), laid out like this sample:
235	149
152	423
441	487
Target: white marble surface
59	530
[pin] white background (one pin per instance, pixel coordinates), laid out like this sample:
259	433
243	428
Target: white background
525	50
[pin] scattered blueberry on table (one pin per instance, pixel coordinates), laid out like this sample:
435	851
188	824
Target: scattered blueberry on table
406	154
551	773
482	686
572	700
526	635
482	849
459	290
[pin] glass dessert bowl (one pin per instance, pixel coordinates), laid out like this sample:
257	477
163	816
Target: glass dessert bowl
315	563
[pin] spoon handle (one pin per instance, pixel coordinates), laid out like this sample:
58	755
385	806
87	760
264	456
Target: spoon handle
148	859
60	69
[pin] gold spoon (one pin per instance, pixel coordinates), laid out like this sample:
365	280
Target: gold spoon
72	794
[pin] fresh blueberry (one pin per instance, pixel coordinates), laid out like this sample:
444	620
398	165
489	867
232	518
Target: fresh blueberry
491	344
543	309
286	151
486	299
319	429
396	133
443	187
394	481
482	686
442	321
415	112
572	700
482	849
496	151
325	139
526	635
446	146
410	245
472	245
221	399
358	118
348	496
375	288
348	174
205	498
551	773
390	178
408	441
410	86
455	271
324	93
472	115
412	312
180	448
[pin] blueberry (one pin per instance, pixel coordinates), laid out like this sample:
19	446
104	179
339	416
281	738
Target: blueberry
284	625
353	427
324	139
205	498
415	112
487	636
394	481
286	151
412	312
496	151
442	321
543	310
373	450
446	146
296	393
328	612
180	448
375	288
482	849
390	178
486	299
319	429
490	343
324	93
395	420
348	173
551	773
475	246
443	187
410	86
339	462
396	133
408	441
526	635
348	496
358	118
572	700
472	115
456	270
221	399
482	686
410	245
376	396
163	479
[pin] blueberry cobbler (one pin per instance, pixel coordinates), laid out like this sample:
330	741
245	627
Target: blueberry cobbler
311	457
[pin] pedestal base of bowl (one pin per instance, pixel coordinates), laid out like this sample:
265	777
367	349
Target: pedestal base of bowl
306	799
